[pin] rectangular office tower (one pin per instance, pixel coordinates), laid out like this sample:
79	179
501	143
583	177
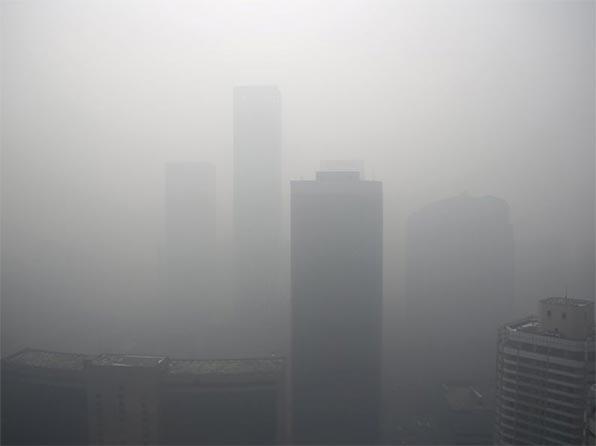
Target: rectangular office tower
545	367
190	247
337	293
258	212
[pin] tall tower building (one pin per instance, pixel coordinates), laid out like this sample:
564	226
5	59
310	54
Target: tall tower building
459	289
337	293
258	210
545	367
190	248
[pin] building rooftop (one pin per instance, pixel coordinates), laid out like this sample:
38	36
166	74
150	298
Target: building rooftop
532	325
75	361
529	324
128	360
226	366
565	301
47	359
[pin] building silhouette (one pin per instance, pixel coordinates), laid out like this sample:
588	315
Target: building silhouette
191	254
258	215
545	367
337	293
65	398
459	288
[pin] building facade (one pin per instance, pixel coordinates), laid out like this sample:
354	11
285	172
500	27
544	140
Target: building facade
43	398
589	423
545	367
337	293
459	273
64	398
191	303
123	400
260	259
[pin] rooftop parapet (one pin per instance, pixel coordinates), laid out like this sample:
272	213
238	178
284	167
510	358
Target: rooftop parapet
50	360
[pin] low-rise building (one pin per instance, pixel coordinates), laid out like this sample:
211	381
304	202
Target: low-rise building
468	415
65	398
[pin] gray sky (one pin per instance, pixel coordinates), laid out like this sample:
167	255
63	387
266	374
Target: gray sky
438	98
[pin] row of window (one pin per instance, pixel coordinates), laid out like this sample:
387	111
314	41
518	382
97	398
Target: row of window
544	418
545	374
520	437
550	351
541	364
539	431
538	381
545	412
541	393
542	402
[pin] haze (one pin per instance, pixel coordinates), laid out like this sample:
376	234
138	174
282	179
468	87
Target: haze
437	98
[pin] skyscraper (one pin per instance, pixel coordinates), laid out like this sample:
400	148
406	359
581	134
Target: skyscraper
258	210
190	248
337	293
459	288
545	367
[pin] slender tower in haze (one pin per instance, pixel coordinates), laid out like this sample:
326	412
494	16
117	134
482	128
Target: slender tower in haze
190	252
258	213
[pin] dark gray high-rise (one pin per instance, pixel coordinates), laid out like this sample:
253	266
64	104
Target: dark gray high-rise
258	210
337	294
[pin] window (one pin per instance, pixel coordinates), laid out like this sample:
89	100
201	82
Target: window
548	313
563	315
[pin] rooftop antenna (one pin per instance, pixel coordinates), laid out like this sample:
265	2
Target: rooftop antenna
566	298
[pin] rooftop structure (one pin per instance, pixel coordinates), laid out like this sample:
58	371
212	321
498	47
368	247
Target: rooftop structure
338	176
561	318
343	166
571	318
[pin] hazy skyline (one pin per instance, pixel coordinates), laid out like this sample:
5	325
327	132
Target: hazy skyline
438	98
